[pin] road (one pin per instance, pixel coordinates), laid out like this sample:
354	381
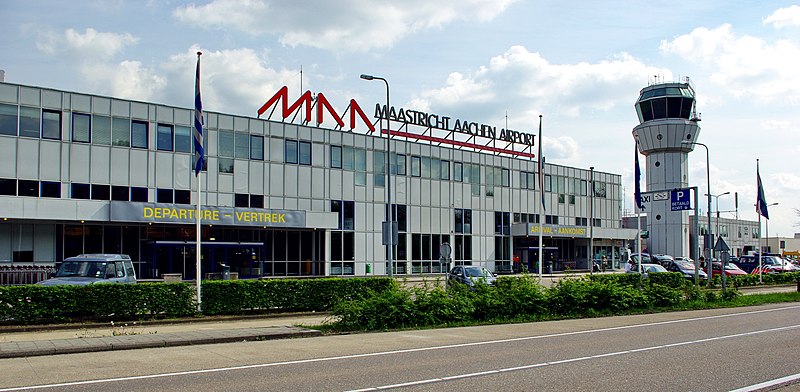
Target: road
710	350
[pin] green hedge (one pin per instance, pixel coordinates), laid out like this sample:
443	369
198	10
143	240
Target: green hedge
287	295
31	304
46	304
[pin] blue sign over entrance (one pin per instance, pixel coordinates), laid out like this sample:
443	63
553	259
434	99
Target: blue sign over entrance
679	199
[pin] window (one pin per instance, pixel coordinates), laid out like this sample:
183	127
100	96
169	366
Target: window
378	169
225	147
80	191
139	194
164	195
241	200
400	165
361	165
548	182
101	130
164	137
81	127
561	198
346	211
348	158
8	119
51	189
425	171
8	187
120	193
305	153
183	196
505	176
257	147
28	188
51	125
256	201
120	132
551	219
225	165
139	134
463	220
444	171
29	121
290	151
527	180
416	166
581	221
101	192
336	157
183	139
502	223
241	145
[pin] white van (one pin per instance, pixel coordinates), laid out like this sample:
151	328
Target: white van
93	268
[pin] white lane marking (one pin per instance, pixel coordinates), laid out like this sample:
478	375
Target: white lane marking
381	353
525	367
767	384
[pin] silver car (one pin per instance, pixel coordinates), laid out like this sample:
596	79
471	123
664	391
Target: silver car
470	276
88	269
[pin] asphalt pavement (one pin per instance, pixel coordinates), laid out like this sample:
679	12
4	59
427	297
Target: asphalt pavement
27	341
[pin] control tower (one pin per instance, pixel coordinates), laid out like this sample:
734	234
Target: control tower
667	127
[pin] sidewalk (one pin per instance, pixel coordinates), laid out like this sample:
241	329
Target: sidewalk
69	339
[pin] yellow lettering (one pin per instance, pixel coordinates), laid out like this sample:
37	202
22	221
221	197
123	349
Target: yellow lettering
282	218
216	215
148	212
239	215
173	213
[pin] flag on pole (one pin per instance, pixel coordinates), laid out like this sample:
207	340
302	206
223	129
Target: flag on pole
637	193
761	202
541	164
198	122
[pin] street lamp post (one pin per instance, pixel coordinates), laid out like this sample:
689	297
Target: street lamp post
717	204
390	228
591	220
710	234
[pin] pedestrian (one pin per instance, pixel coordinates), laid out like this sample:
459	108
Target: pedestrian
603	266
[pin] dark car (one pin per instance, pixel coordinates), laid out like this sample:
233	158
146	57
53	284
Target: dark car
470	276
771	263
686	268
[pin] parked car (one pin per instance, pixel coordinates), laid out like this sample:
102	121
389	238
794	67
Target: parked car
771	263
470	276
661	259
730	269
686	268
648	268
88	269
643	258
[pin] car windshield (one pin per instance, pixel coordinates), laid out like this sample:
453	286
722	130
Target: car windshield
476	272
684	265
83	268
731	266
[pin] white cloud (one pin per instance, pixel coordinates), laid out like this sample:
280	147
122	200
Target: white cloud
743	66
775	124
784	17
232	80
526	83
89	45
349	25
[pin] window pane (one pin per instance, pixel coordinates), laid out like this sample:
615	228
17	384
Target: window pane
457	171
416	169
139	134
445	170
28	121
8	119
426	167
305	154
290	151
257	147
225	147
242	146
336	157
164	137
183	139
361	160
400	165
225	165
101	130
51	125
348	158
81	127
120	133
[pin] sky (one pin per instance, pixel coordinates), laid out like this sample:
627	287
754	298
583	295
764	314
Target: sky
578	64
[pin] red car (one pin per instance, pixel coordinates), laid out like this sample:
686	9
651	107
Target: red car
730	269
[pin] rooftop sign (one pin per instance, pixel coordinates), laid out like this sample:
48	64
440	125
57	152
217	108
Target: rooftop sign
431	122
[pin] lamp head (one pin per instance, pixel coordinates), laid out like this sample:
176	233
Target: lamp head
367	77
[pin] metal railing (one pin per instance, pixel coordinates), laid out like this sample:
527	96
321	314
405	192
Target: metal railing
21	275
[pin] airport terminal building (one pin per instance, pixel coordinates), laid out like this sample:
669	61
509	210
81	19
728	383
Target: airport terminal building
287	196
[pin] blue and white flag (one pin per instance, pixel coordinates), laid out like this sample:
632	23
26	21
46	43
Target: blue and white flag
761	201
198	122
637	189
541	165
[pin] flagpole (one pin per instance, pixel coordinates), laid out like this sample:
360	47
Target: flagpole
637	190
541	189
759	197
198	167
